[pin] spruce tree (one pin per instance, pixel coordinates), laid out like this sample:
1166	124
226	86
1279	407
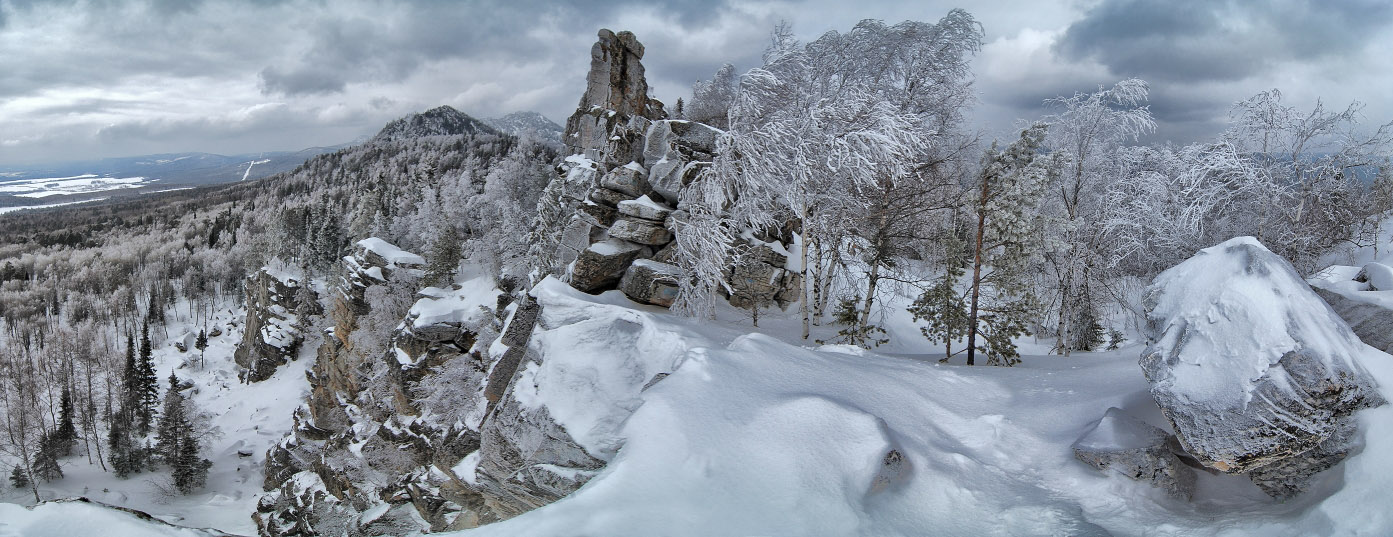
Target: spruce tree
172	423
65	435
19	479
444	257
201	343
46	466
121	450
148	387
190	470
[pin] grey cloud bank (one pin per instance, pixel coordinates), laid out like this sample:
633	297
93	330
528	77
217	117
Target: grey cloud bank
90	79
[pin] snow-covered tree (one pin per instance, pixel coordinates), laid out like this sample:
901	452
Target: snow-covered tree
1088	130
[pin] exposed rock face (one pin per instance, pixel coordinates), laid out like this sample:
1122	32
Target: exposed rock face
272	336
615	104
651	282
1252	369
602	264
1372	323
676	151
640	232
1137	450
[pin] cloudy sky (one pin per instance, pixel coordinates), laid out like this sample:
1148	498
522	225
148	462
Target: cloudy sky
98	78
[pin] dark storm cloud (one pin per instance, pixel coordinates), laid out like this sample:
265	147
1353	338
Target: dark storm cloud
363	48
1205	40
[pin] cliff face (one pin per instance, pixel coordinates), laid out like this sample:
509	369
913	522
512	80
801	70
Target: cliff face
615	109
272	336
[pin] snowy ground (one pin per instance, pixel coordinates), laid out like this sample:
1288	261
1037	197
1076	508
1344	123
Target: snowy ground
756	436
246	418
757	432
78	184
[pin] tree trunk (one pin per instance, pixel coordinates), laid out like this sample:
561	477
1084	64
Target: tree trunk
803	305
977	273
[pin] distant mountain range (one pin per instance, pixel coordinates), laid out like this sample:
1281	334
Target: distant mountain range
72	182
532	124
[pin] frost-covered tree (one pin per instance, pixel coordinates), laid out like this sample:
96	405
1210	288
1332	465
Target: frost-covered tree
1088	129
711	99
1008	227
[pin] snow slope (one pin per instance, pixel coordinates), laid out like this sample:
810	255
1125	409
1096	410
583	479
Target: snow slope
75	518
245	420
757	436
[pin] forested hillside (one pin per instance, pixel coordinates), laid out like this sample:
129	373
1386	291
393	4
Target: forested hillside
744	312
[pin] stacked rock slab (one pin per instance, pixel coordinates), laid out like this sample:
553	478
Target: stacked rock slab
272	337
615	103
1257	375
1123	443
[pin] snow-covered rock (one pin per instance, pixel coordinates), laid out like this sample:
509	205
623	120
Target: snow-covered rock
1379	276
645	208
1370	320
609	197
640	231
630	179
602	264
1246	362
80	516
272	335
651	282
615	110
1123	443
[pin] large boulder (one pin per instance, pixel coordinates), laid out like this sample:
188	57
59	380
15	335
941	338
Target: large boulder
651	282
640	231
1373	323
1250	367
645	208
630	179
676	139
1137	450
601	265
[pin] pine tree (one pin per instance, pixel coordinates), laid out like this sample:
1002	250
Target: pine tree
201	343
445	255
19	479
1009	186
65	435
45	464
945	310
190	470
123	454
172	423
148	387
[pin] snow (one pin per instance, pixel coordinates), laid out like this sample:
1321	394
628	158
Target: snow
752	435
1231	316
609	247
457	305
74	518
466	467
1380	276
243	418
78	184
4	210
390	252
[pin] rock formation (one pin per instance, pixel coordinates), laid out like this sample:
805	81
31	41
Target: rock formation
615	107
272	335
1257	375
1125	444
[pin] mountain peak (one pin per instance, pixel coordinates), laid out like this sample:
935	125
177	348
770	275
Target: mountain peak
438	121
528	123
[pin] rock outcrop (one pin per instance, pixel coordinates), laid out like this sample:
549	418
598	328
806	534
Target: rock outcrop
272	336
1127	445
637	164
1352	293
615	109
1255	372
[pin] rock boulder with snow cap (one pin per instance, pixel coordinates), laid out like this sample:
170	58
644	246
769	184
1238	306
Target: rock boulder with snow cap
1251	368
1137	450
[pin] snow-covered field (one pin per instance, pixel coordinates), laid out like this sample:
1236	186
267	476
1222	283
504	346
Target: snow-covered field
752	435
246	419
78	184
756	432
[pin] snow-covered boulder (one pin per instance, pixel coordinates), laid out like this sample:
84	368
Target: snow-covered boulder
676	139
1137	450
645	208
1246	362
609	197
651	282
630	179
1379	276
602	264
640	231
1370	320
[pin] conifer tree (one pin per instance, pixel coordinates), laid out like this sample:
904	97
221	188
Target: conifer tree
190	471
172	423
45	465
445	255
201	343
19	479
147	386
65	435
943	306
